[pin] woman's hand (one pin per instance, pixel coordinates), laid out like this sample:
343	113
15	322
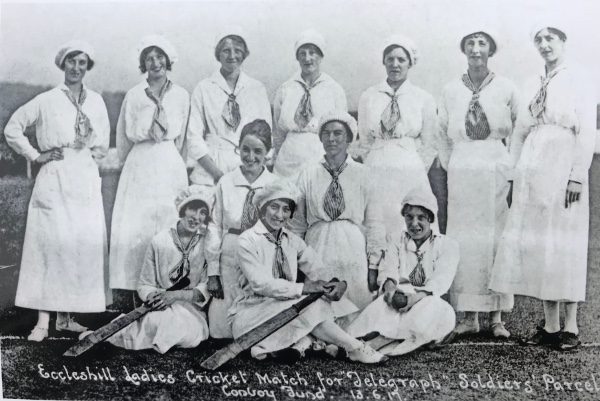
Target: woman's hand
162	300
372	279
411	300
573	193
509	194
214	287
312	287
50	155
334	290
211	168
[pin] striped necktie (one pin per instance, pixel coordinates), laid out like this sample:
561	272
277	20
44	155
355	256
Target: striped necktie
333	201
304	112
281	266
417	276
538	103
249	212
231	112
390	117
476	122
160	125
83	125
182	269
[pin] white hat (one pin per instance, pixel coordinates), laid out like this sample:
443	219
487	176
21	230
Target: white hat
72	46
160	42
473	30
310	36
195	192
280	189
422	198
543	24
340	116
231	30
406	43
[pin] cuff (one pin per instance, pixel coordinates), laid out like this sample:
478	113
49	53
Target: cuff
213	268
31	154
299	289
579	175
204	291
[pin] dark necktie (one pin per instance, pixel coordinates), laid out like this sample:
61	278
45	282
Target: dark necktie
538	103
417	276
160	125
476	123
304	112
333	201
231	112
182	268
249	212
390	117
281	267
83	125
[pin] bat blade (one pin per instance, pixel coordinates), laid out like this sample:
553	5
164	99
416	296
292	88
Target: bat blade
222	356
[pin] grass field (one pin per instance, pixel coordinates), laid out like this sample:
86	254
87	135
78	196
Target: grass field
472	368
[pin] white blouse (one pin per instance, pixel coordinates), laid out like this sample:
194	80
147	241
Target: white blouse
325	96
439	261
54	117
206	126
418	118
499	101
230	196
570	103
137	114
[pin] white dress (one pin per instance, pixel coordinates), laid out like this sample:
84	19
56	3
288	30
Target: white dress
430	319
153	175
341	243
221	246
64	253
543	250
262	296
183	324
208	134
294	145
478	174
399	163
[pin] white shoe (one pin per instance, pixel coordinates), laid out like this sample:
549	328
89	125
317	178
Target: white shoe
67	323
38	334
303	344
366	354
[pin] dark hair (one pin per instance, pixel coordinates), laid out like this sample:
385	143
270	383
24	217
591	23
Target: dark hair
145	53
195	205
260	129
346	127
390	48
491	41
309	44
238	40
429	213
561	35
291	204
76	53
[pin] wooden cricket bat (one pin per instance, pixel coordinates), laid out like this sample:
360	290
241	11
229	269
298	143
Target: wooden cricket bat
258	334
111	328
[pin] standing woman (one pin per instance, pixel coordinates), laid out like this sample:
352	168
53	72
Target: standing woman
397	124
150	137
233	214
477	112
62	268
299	104
335	203
543	250
221	106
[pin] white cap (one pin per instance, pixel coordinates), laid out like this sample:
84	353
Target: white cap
310	36
406	43
473	30
280	189
72	46
543	24
195	192
422	198
160	42
340	116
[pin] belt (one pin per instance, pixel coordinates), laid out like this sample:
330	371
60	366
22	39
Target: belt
235	231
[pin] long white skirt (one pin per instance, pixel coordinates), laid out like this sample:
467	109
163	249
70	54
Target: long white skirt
430	319
543	250
152	177
182	325
218	309
477	208
342	248
298	149
397	168
64	253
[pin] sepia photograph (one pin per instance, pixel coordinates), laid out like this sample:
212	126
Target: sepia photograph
299	199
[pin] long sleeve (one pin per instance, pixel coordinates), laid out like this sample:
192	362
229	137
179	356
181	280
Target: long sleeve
124	145
215	234
585	138
388	269
426	144
14	131
259	278
310	263
445	265
181	140
444	143
298	225
101	142
264	111
196	145
278	133
148	281
375	228
365	137
202	286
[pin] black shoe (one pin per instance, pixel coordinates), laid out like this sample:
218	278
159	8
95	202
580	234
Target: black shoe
541	337
567	341
287	356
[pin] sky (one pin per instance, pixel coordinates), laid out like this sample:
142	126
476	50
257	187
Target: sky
31	32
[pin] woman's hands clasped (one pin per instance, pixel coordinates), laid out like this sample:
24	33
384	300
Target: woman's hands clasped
332	290
50	155
214	287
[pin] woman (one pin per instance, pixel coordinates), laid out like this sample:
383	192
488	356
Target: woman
299	104
270	258
397	123
62	268
221	106
233	214
174	254
409	312
150	137
543	250
336	201
477	115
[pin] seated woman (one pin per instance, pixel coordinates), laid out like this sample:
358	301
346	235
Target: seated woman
269	257
420	268
178	318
